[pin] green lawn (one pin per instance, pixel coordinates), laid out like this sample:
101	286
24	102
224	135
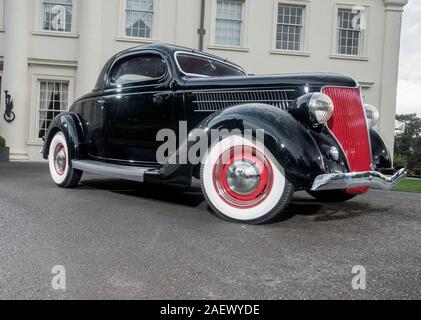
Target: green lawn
409	185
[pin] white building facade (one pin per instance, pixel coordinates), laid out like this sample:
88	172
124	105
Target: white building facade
51	51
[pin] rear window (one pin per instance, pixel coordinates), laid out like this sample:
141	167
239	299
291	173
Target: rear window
201	66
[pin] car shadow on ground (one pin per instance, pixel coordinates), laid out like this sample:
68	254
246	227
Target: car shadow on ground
302	204
191	197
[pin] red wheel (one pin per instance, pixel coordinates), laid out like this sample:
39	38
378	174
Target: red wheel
60	163
244	183
243	177
60	159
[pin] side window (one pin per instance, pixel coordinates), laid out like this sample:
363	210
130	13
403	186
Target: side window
139	68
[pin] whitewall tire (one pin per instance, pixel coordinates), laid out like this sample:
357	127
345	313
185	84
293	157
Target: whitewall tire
60	163
243	182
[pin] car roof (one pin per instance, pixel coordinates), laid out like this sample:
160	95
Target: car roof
170	49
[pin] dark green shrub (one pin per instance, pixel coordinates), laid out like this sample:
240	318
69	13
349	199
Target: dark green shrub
2	142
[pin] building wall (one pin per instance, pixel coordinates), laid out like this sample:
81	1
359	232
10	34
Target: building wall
98	32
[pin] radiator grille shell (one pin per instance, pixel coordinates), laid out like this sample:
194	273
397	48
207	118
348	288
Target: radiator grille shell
349	125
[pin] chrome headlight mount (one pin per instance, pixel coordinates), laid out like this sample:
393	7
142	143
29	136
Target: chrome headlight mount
313	108
321	107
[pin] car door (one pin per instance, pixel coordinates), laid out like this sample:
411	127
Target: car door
137	104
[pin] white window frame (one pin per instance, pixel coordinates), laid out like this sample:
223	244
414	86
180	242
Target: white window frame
35	101
39	20
244	29
1	15
306	4
122	25
363	52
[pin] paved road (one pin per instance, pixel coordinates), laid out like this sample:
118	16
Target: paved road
119	239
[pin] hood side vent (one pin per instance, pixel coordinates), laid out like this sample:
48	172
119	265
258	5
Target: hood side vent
212	101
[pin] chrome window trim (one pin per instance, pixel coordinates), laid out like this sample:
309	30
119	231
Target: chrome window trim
206	57
113	85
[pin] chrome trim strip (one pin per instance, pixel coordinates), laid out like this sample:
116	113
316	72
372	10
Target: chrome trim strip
341	181
243	101
132	162
111	170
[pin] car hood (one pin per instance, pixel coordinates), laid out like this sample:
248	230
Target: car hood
284	80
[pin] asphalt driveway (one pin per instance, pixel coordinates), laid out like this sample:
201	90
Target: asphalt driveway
119	239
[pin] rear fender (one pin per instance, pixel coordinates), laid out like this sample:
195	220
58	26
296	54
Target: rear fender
69	125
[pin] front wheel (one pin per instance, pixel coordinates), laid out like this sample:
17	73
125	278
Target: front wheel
244	183
59	162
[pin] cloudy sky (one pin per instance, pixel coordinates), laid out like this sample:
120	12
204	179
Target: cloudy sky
409	88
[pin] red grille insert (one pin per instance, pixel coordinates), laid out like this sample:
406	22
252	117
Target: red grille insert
349	125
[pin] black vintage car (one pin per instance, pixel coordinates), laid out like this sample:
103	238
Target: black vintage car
317	133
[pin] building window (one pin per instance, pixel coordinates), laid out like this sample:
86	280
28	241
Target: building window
349	33
57	15
1	15
53	99
290	27
229	22
139	18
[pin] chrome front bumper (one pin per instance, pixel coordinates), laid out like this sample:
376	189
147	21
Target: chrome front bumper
341	181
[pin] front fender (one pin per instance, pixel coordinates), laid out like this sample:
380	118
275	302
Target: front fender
68	124
286	138
380	153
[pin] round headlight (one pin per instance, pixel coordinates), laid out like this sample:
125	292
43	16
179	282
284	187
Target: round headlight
320	107
372	115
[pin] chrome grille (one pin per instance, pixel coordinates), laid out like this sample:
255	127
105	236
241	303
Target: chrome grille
211	101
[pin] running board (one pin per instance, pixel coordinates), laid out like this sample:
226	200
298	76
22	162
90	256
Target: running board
111	170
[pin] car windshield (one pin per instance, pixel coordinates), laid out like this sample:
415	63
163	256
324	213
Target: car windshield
202	66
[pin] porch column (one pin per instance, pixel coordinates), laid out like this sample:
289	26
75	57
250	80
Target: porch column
15	76
90	58
392	38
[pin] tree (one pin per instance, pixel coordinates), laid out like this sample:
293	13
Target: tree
408	140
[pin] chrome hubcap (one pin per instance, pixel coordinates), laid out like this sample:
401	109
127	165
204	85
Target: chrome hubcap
243	177
60	159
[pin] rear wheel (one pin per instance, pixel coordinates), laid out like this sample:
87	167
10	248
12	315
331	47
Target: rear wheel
60	163
332	195
243	183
